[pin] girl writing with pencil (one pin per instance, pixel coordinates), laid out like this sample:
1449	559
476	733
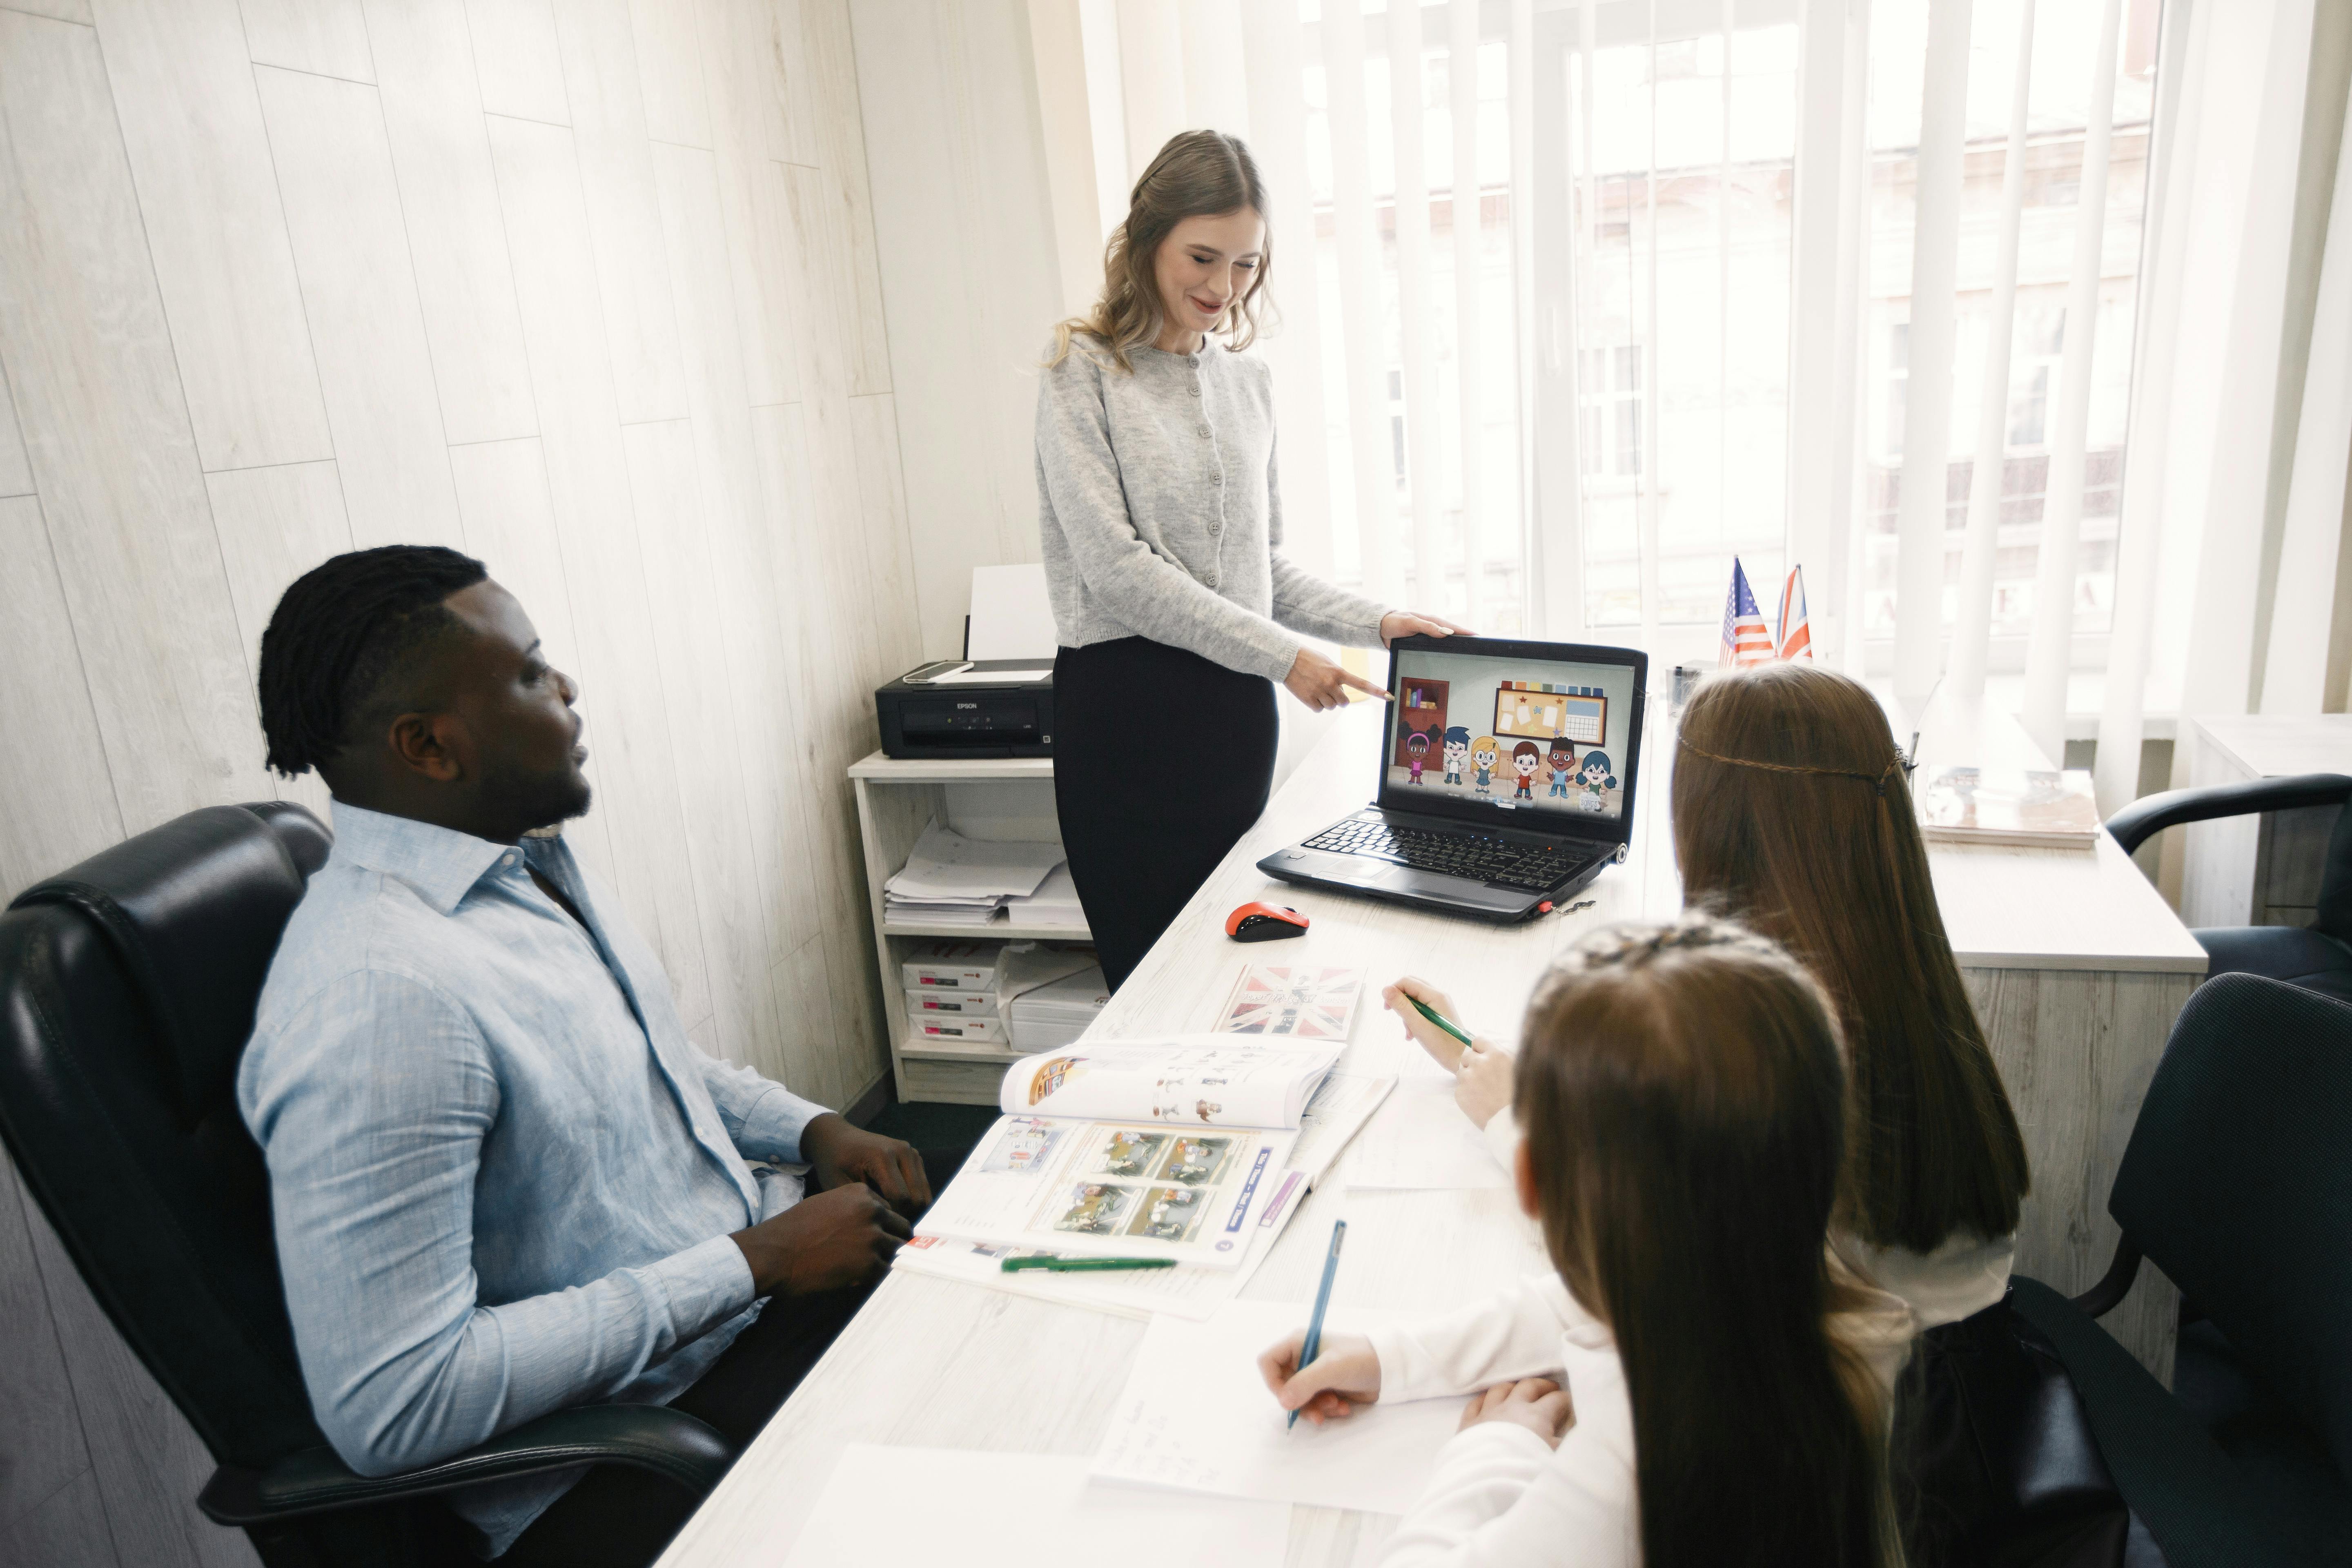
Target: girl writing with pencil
1793	815
1701	1382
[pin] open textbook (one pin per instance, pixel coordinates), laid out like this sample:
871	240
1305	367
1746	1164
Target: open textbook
1339	1111
1167	1148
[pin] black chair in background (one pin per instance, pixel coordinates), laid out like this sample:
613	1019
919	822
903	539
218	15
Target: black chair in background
2318	957
2238	1184
127	993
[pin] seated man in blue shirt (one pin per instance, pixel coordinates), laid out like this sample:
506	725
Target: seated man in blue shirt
502	1179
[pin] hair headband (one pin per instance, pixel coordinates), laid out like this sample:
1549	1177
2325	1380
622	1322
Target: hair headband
1876	781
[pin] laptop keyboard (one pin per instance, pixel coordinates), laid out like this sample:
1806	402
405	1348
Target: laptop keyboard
1475	855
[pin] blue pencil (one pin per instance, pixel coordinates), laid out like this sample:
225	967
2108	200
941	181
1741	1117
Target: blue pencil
1314	1345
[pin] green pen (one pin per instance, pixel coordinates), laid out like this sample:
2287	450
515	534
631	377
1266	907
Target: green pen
1058	1265
1438	1018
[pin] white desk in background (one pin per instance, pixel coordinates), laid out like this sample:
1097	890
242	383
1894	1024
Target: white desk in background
932	1363
2264	869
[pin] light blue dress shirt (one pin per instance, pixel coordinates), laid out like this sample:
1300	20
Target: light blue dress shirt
502	1178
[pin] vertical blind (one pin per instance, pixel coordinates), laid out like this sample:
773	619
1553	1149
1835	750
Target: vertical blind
1596	295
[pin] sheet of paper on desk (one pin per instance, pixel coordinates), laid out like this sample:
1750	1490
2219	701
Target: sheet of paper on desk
1196	1416
1335	1116
1420	1138
1019	1511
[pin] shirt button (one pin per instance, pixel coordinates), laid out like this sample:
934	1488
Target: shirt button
507	860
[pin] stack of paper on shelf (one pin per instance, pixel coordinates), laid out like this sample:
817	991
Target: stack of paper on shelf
962	990
1055	903
1046	1017
954	881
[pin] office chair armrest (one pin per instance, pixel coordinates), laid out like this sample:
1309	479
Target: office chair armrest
647	1437
2151	815
2122	1270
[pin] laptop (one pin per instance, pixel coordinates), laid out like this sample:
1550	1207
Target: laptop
1508	776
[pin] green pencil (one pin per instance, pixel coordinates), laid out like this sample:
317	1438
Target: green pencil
1438	1018
1057	1265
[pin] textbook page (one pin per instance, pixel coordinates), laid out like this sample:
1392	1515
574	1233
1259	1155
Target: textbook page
1187	1290
1018	1510
1114	1189
1202	1080
1196	1416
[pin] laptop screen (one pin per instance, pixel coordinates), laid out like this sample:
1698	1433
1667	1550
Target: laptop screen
1530	735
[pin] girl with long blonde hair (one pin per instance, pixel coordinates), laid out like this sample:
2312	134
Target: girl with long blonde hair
1160	526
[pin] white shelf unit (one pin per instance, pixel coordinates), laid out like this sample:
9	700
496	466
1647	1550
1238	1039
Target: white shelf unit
1000	799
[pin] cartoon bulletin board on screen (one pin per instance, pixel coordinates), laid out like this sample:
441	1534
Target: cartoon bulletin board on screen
1525	734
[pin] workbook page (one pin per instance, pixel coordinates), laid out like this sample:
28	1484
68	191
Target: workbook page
1114	1189
1195	1082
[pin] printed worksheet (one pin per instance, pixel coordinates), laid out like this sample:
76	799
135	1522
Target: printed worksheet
1017	1510
1195	1416
1202	1081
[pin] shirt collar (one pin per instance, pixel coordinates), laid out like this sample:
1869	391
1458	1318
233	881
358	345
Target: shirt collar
440	863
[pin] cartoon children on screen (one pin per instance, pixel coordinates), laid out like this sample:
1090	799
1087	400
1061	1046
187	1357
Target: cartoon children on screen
1526	757
1482	756
1457	751
1596	777
1562	762
1416	752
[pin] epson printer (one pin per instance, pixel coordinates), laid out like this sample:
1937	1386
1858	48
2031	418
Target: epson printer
959	707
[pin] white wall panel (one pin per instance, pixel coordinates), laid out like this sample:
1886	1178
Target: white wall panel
747	120
433	117
588	479
616	175
15	469
192	126
669	67
516	58
45	828
105	424
274	524
351	247
326	38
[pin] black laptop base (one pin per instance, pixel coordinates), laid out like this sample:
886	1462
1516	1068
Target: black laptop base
1380	873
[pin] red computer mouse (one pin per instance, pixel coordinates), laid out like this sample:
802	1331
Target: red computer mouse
1264	922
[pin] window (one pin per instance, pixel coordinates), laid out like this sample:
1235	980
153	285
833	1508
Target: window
1610	389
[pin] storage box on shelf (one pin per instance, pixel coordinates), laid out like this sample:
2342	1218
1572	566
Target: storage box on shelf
1004	799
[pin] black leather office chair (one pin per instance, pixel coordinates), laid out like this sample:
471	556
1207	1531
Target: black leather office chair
2238	1182
2318	958
127	993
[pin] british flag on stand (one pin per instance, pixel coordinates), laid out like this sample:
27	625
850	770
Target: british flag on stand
1746	639
1796	631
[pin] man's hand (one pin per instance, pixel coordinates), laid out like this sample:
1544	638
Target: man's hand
1538	1403
1321	684
845	1155
838	1239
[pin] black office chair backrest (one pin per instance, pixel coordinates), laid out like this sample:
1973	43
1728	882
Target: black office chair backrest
2335	913
127	993
2238	1184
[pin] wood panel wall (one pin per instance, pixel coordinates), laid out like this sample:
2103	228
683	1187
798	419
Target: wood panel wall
586	288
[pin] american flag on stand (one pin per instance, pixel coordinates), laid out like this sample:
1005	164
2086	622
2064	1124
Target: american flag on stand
1796	631
1746	639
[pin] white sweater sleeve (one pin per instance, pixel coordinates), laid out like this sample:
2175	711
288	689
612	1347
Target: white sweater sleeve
1500	1340
1500	1498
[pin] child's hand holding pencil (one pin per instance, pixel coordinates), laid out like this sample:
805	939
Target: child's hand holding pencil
1343	1374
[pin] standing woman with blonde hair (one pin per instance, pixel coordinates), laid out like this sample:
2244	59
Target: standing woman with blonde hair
1160	524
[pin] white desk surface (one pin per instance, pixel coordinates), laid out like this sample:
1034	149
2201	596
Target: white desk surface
2275	745
939	1363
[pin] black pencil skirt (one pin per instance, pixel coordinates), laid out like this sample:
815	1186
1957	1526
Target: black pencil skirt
1163	760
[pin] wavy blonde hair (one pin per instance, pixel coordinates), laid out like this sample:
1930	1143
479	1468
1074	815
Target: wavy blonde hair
1198	173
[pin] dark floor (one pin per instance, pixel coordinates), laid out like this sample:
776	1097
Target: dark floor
927	1124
